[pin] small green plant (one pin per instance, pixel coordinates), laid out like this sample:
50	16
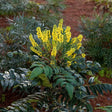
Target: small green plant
106	72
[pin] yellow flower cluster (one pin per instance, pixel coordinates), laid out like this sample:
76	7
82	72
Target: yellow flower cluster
83	55
80	37
57	43
54	51
68	33
70	52
57	32
44	36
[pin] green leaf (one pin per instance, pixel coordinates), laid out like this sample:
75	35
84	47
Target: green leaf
57	77
36	65
63	83
46	70
70	90
37	71
89	107
45	81
50	72
59	81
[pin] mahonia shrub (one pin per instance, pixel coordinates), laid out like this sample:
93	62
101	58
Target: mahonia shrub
60	74
57	46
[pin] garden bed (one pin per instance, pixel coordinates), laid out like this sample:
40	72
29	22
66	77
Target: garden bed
75	9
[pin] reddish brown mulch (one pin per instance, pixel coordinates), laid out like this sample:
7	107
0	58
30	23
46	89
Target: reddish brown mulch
102	100
71	15
3	22
7	97
75	9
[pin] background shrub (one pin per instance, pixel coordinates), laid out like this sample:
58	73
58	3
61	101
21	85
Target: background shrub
104	5
98	38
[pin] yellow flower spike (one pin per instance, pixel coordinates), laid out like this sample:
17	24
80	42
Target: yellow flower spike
80	37
83	55
54	33
68	63
35	51
74	56
39	33
70	52
68	36
79	45
61	21
60	25
68	28
54	51
74	40
34	44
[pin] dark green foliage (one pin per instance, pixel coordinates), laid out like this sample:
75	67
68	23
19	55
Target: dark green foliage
16	59
68	92
61	89
98	43
9	7
10	78
66	86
